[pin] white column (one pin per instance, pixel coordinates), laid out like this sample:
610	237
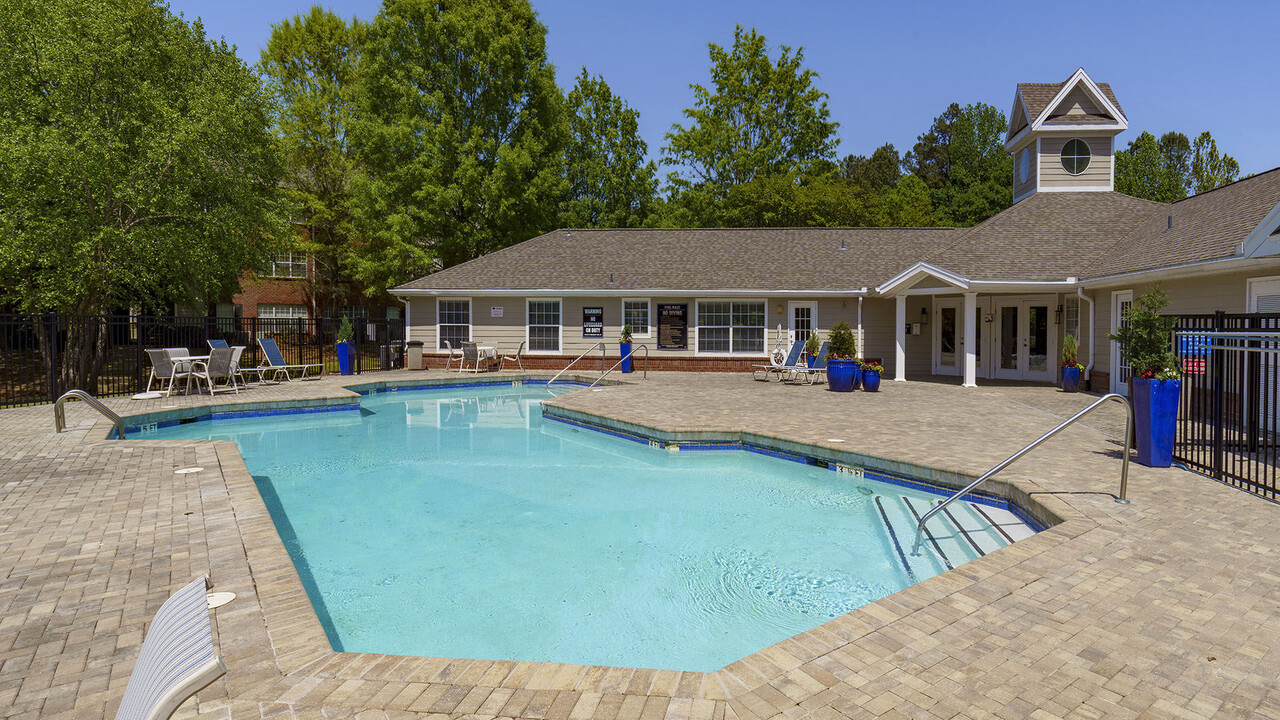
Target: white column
970	340
861	354
900	340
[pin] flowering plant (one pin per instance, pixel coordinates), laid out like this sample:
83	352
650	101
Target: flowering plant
1166	373
873	367
1075	365
834	356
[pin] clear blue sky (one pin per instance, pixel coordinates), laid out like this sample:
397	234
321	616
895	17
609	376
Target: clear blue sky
891	67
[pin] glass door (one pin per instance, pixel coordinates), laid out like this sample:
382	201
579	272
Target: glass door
803	319
1121	302
1038	361
1026	341
1010	343
948	338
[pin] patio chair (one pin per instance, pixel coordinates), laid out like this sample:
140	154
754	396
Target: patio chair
513	358
812	373
277	366
470	355
783	368
180	352
164	370
215	344
178	656
453	353
216	372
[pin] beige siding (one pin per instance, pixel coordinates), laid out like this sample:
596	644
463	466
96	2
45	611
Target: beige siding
1098	174
1187	296
1023	187
1077	102
509	330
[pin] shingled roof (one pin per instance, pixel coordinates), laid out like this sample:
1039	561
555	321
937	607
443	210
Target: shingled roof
760	259
1203	227
1037	97
1048	236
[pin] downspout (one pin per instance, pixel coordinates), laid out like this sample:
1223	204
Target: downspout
860	354
1088	368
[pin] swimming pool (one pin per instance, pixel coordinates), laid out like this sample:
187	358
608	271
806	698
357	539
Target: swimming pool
461	523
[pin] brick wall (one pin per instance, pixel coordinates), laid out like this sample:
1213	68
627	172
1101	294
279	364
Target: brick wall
557	362
255	290
1100	382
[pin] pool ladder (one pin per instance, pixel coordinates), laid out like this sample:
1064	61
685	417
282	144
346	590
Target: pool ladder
624	357
1124	466
603	359
60	415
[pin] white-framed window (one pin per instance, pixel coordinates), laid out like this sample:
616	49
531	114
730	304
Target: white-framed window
289	265
453	321
1071	317
276	311
1076	156
542	325
352	311
731	327
637	313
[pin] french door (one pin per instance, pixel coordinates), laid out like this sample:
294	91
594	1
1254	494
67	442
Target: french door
948	336
1121	303
1026	340
802	318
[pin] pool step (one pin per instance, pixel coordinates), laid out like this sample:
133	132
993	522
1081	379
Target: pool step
960	533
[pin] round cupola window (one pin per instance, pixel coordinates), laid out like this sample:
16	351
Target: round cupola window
1075	156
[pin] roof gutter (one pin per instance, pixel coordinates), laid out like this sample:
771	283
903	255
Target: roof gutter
614	292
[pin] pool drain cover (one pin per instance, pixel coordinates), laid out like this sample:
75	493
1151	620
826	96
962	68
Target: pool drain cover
147	395
187	470
218	599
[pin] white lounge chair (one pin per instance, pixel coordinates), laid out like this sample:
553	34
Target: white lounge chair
783	368
277	366
810	374
178	657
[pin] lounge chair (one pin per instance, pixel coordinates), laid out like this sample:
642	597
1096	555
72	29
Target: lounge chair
812	373
178	657
218	372
277	366
782	368
165	369
216	344
513	358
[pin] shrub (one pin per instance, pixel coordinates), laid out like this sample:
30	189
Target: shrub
840	342
1147	342
345	331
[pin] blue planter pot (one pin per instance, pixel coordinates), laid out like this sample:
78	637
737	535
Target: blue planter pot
840	375
625	349
1155	420
1070	379
345	364
871	381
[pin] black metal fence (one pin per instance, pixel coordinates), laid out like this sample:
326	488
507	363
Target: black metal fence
1230	404
43	356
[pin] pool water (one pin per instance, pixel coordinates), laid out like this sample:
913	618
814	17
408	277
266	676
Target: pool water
461	523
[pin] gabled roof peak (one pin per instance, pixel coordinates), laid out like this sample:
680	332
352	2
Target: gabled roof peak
1078	100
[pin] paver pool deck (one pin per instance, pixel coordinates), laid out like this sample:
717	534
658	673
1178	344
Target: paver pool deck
1165	607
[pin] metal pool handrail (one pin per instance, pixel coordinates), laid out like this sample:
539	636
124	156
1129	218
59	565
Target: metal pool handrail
624	357
60	415
1124	467
603	356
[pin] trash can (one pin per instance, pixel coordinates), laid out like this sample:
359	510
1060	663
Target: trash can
415	354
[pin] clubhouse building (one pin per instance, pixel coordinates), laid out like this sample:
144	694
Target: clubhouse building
989	301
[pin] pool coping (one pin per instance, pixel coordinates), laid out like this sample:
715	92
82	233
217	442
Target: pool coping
306	661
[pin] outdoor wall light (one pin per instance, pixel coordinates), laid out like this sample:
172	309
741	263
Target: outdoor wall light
779	308
1057	316
924	316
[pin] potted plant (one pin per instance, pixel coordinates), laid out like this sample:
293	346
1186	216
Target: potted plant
624	346
345	334
811	348
871	372
842	370
1146	345
1071	369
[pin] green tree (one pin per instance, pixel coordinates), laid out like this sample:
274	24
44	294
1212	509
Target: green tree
791	201
878	172
610	184
907	205
760	118
963	163
460	137
1144	170
310	66
1209	169
137	167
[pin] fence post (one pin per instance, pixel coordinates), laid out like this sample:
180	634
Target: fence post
52	319
298	340
135	323
360	330
1219	362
